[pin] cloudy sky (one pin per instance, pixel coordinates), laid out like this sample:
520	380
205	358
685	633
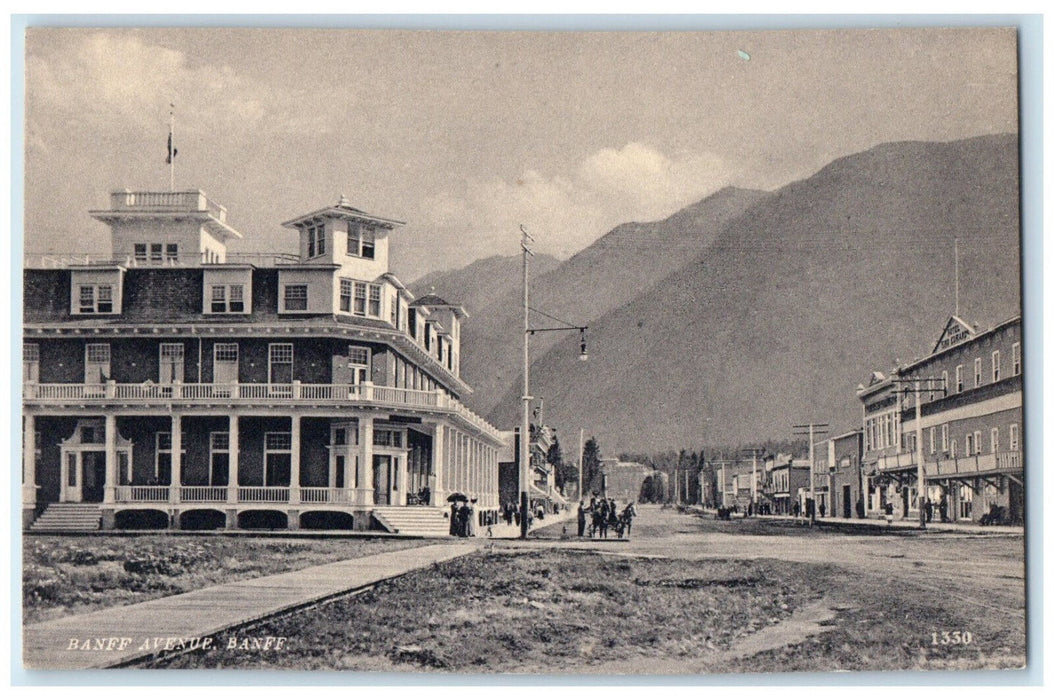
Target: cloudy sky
467	135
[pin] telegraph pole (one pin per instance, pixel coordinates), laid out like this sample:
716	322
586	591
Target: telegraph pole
525	419
813	430
754	477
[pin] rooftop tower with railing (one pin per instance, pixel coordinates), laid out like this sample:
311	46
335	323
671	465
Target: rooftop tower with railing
166	228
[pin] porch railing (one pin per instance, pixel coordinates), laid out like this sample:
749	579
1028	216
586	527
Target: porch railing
203	494
324	494
141	493
263	494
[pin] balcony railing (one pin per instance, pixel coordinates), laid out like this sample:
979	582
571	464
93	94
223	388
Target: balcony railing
324	494
263	494
992	462
188	201
295	393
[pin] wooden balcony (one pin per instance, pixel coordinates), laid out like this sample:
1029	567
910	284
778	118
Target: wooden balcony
975	465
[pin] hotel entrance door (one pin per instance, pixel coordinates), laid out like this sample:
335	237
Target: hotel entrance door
93	476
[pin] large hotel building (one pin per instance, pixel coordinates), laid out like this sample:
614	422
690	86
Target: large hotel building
176	385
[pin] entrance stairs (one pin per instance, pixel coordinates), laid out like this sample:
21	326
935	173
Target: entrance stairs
419	521
68	517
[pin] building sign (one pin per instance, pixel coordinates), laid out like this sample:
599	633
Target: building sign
956	331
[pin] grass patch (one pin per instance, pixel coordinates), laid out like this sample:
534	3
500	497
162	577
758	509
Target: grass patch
70	575
551	611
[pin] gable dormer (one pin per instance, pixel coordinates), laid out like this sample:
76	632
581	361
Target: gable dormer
345	236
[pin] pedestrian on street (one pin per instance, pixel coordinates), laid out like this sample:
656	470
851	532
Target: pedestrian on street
581	518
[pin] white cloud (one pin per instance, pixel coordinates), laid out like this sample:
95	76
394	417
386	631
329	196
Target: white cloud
119	81
611	186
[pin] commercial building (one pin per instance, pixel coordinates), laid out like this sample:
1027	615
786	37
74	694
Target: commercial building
838	477
174	384
969	419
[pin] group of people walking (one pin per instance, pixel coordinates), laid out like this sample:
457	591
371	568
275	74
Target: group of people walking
603	515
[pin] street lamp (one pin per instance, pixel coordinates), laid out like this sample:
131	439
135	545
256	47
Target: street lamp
525	422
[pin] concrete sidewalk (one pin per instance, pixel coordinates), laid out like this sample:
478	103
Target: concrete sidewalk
118	635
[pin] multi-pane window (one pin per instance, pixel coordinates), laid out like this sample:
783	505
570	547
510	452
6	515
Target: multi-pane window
95	299
275	442
977	372
156	253
280	363
296	297
316	240
30	362
933	439
995	439
995	365
360	298
1015	359
1013	437
361	240
387	438
944	438
969	445
375	301
346	290
226	352
358	355
944	381
368	242
171	252
228	299
140	252
395	310
958	379
978	445
98	353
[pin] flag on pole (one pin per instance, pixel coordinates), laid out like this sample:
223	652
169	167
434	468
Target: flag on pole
172	152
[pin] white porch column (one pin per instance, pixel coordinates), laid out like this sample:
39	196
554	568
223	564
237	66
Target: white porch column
110	437
232	460
29	462
174	494
438	466
294	459
365	474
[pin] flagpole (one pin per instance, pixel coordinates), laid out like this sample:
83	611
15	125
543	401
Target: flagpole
171	160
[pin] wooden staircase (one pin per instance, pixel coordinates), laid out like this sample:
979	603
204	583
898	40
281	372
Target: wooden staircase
419	521
68	517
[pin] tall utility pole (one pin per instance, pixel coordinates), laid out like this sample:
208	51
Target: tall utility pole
813	430
525	422
581	460
754	477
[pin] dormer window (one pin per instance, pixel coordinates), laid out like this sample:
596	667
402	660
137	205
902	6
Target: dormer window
96	299
362	240
316	240
296	297
228	299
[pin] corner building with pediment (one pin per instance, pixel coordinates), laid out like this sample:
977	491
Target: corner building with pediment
173	384
971	423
